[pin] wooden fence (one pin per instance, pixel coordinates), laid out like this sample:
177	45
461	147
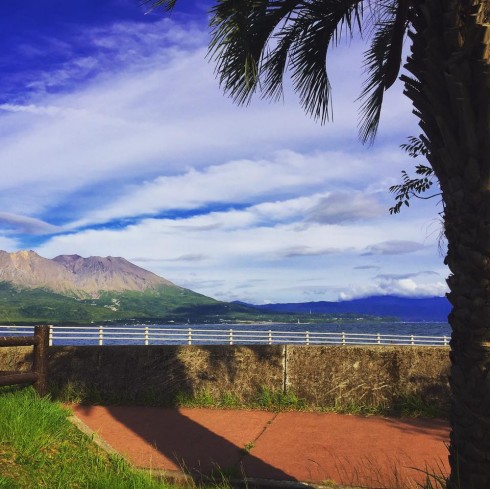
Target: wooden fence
39	372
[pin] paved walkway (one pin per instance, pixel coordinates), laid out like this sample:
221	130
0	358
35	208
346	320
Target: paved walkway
296	446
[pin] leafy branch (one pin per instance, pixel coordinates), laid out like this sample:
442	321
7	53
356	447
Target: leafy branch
413	187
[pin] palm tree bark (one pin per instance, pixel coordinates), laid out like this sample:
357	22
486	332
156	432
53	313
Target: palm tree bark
450	92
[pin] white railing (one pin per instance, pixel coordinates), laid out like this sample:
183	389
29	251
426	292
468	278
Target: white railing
145	335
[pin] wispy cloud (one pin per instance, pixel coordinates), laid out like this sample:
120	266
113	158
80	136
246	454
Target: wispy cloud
394	247
345	206
403	276
27	225
308	251
287	173
190	257
31	109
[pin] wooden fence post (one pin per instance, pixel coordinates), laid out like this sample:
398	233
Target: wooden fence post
40	359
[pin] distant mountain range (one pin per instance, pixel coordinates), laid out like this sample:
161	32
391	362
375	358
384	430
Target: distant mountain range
404	308
72	289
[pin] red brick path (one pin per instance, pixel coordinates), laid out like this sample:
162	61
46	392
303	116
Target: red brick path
309	447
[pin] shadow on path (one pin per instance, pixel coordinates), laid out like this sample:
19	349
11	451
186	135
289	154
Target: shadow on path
170	439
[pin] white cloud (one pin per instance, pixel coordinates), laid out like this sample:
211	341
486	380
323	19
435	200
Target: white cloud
345	206
9	244
394	247
27	225
154	110
403	287
233	247
243	181
297	251
402	276
31	109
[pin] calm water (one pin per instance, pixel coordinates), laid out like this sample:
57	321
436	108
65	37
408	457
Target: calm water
134	334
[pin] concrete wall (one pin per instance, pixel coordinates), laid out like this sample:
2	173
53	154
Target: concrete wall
321	375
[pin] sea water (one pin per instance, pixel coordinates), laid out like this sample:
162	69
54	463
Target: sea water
134	334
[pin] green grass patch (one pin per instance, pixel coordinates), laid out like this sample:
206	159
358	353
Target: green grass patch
407	405
267	399
413	406
40	448
275	400
205	399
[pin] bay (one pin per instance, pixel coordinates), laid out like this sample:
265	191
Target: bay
172	334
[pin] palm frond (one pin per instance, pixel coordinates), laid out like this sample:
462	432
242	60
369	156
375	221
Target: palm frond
240	31
376	58
393	61
254	43
167	5
318	25
276	61
300	33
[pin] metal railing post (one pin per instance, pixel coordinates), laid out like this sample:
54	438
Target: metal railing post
445	343
231	336
307	334
412	340
50	336
189	336
343	338
270	337
147	339
378	339
101	335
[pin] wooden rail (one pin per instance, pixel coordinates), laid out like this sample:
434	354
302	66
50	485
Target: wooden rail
38	376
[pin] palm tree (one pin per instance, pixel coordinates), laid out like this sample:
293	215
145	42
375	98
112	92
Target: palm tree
256	42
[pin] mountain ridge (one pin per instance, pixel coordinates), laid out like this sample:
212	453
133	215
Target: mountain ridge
405	308
74	275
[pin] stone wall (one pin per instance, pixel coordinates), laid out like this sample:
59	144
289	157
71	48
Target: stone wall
372	376
321	375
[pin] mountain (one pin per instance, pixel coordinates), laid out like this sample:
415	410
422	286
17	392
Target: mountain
404	308
70	289
98	273
75	276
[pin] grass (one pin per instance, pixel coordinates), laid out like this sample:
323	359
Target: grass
410	406
406	405
40	448
266	399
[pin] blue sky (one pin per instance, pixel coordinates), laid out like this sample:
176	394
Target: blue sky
116	140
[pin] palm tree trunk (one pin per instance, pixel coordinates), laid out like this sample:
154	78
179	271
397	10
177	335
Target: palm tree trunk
450	60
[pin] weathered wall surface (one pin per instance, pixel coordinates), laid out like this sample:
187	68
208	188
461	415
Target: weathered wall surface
339	375
321	375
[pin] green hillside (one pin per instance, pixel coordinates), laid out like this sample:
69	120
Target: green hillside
164	304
